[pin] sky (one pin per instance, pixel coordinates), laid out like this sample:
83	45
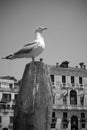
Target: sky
65	38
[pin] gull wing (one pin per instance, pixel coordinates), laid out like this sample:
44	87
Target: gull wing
23	51
26	49
30	45
18	54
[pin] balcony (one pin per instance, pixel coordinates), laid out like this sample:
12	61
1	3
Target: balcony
9	89
6	108
5	111
68	85
69	107
5	100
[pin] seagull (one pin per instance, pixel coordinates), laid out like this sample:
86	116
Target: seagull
30	50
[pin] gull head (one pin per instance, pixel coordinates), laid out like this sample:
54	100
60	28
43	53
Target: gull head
41	29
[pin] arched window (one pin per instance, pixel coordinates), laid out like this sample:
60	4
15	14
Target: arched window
74	123
73	97
5	129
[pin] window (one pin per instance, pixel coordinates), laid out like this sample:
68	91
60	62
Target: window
72	80
52	77
3	106
83	125
0	106
74	122
82	100
83	120
8	106
64	120
15	96
13	106
53	99
63	79
5	129
0	119
53	114
73	97
82	115
11	86
65	100
53	120
11	119
6	97
64	114
80	81
65	125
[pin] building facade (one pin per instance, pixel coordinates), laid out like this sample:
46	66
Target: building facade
70	97
8	93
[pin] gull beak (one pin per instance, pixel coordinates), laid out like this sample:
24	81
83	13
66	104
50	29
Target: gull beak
41	28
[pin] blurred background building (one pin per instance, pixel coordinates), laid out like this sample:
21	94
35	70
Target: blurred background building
69	97
8	93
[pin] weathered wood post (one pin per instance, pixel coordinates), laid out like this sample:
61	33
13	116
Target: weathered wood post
33	108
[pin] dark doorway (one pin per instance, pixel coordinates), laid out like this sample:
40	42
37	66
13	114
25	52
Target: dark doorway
74	123
5	129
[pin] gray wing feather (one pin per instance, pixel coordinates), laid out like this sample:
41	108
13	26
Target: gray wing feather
23	51
27	48
30	45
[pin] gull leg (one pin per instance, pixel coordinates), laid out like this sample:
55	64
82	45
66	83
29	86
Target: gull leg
33	60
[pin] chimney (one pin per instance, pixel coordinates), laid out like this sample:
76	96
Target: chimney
76	67
84	67
57	64
81	65
64	64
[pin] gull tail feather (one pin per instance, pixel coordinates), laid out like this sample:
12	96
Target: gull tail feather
8	57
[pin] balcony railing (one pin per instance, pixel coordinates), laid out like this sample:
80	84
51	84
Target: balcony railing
16	89
5	100
68	85
70	107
